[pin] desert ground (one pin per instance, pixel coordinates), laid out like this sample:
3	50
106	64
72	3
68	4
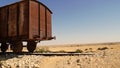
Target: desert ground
105	55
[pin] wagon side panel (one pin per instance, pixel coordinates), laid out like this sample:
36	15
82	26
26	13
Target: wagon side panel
12	21
23	20
49	28
3	22
33	20
42	22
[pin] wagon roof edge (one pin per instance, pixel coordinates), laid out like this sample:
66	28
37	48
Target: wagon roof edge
23	1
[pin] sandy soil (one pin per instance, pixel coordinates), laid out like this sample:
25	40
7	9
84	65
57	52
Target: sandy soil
105	56
83	47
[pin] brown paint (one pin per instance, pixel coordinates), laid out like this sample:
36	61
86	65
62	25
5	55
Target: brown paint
25	20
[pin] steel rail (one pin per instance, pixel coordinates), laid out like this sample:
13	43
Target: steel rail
47	54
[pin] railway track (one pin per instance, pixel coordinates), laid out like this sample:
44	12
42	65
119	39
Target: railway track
47	54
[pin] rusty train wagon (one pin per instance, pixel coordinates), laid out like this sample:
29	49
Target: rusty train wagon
26	20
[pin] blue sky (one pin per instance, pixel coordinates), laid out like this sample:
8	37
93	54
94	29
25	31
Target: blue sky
83	21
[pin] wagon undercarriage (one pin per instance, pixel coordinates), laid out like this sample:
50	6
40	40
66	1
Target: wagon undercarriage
17	46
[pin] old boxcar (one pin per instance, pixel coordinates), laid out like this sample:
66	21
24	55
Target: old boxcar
26	20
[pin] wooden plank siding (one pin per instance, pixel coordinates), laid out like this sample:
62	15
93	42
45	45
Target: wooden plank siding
42	21
3	22
33	19
12	21
25	19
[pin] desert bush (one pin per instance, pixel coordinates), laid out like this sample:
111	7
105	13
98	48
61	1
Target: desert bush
90	49
104	48
42	50
78	51
86	49
62	51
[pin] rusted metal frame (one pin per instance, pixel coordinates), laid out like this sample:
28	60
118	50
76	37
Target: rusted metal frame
17	21
0	22
7	20
39	19
46	22
0	14
38	36
28	7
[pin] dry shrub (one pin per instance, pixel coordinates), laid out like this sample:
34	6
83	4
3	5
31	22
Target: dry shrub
62	51
78	51
104	48
86	49
42	51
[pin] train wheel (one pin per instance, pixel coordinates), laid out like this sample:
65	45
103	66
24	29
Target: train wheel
17	47
4	47
31	46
